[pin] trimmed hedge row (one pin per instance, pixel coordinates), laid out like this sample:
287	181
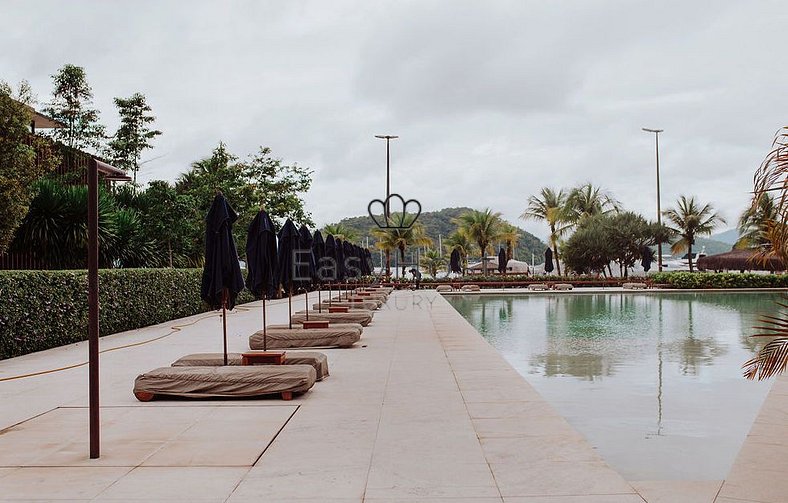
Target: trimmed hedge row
45	309
720	280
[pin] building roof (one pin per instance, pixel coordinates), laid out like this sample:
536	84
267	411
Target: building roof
741	260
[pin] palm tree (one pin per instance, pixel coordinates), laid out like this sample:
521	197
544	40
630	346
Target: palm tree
340	231
549	206
510	235
483	227
433	260
690	220
586	201
757	222
460	241
399	238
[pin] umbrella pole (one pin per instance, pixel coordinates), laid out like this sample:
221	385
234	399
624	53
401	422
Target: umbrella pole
224	322
265	335
306	303
319	307
329	294
290	307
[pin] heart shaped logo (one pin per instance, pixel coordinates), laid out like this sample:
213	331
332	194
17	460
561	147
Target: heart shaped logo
398	216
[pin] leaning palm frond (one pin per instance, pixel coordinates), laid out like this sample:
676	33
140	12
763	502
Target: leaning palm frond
770	361
771	176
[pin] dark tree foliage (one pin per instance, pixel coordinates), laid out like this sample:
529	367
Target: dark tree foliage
134	135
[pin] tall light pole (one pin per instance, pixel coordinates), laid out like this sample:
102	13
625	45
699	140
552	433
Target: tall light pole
659	210
388	139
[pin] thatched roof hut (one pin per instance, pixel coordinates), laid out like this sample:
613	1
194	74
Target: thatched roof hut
740	260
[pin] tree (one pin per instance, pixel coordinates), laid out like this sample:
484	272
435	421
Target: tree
549	206
757	222
134	135
19	167
460	241
433	260
483	227
589	249
71	103
340	231
510	235
262	181
690	220
586	201
399	238
629	234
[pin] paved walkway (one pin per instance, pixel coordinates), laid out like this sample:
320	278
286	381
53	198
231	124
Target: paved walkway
422	410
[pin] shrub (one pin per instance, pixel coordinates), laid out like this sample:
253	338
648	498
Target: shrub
44	309
720	280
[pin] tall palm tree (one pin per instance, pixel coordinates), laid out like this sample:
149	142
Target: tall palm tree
397	238
757	222
691	220
340	231
587	200
460	241
483	227
510	235
549	206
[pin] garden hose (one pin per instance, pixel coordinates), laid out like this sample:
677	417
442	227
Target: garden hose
174	329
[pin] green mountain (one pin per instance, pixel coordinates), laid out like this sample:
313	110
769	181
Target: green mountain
439	223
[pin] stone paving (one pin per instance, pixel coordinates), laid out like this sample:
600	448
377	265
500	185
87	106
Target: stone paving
421	410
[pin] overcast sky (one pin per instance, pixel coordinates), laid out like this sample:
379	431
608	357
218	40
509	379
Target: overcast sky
492	100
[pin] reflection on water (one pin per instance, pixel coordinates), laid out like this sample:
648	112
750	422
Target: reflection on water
653	381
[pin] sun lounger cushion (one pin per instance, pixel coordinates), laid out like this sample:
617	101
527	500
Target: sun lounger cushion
470	288
336	326
562	286
318	361
369	306
444	288
355	298
229	382
360	316
634	286
537	286
281	338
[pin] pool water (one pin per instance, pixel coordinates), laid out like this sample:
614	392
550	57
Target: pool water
653	381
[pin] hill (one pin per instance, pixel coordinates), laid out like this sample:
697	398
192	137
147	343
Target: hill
730	236
439	224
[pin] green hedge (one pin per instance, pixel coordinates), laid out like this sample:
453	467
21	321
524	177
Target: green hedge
720	280
45	309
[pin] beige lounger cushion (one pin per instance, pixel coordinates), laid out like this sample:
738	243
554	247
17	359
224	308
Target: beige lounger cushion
470	288
360	316
634	286
354	298
443	288
369	306
537	286
318	361
335	326
235	381
562	286
282	338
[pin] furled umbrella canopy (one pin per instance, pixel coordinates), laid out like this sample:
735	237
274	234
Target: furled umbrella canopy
646	257
502	261
319	253
289	241
328	265
454	262
351	262
305	258
221	271
548	260
261	257
340	251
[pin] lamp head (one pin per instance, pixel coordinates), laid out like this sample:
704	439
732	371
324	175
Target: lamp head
652	130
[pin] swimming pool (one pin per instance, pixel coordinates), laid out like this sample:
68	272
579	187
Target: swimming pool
653	381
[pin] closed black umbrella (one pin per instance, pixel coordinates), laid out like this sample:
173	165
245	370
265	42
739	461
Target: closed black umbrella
306	264
222	280
502	261
319	253
454	262
548	260
351	261
289	241
329	264
370	268
261	261
646	257
341	272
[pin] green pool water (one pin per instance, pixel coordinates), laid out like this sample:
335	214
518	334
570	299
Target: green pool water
653	381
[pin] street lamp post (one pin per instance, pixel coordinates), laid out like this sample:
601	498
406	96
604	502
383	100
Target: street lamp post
388	139
659	211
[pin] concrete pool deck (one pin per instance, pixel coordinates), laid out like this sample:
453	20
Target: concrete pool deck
422	410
